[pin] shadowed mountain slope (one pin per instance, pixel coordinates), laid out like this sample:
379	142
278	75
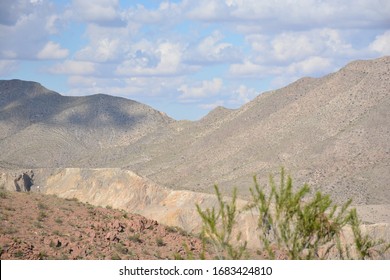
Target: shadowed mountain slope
42	128
332	132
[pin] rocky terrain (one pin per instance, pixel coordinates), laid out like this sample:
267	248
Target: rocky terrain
331	132
37	226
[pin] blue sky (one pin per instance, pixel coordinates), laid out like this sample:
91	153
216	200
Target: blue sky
185	57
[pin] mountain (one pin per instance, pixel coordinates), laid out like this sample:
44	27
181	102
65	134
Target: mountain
43	128
331	132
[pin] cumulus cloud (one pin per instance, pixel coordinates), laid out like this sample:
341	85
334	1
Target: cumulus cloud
32	24
52	51
243	94
102	12
100	51
293	15
248	69
72	67
11	11
211	49
310	65
7	67
166	13
311	52
164	60
381	44
206	88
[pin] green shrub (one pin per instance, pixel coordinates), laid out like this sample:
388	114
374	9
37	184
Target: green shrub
19	254
42	216
3	193
135	238
217	230
42	206
160	242
291	222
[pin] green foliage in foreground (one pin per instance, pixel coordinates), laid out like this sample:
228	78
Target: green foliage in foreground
291	222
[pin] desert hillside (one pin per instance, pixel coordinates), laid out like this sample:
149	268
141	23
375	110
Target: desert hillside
331	132
37	226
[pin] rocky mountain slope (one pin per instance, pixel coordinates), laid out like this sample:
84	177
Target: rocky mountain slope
36	226
41	128
332	132
36	223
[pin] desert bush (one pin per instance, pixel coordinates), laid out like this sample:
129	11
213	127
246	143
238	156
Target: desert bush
42	215
291	222
135	238
42	206
18	254
160	242
217	229
3	193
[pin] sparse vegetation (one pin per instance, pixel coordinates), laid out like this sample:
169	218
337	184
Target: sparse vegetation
38	225
160	242
3	193
42	216
18	254
218	225
10	230
120	248
115	256
42	206
135	238
290	222
42	255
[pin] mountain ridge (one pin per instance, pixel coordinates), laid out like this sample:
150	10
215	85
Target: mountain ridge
332	132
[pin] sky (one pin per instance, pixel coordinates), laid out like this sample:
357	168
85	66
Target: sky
185	57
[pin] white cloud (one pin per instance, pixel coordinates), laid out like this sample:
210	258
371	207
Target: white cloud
7	67
103	12
209	10
213	105
293	15
212	50
294	46
52	23
166	13
310	52
71	67
100	51
164	60
205	89
311	65
381	44
27	28
244	94
247	69
52	51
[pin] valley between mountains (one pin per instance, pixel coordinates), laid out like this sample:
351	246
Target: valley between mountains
331	132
